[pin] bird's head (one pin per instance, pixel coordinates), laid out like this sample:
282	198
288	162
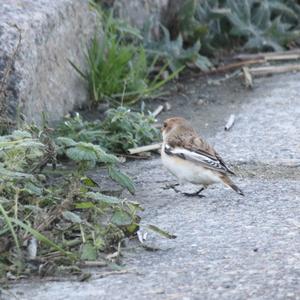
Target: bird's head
173	125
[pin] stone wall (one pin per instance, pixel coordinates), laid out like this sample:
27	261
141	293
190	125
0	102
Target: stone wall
52	32
41	78
137	12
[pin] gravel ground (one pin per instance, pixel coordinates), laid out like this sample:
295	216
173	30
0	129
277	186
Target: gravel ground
227	246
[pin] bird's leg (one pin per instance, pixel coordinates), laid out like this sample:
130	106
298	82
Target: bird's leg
195	194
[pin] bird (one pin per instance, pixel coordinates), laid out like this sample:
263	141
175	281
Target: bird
191	159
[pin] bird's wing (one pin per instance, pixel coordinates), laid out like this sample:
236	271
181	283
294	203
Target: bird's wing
223	163
196	149
204	159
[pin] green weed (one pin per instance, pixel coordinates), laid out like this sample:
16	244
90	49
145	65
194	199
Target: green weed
251	24
193	30
118	67
120	130
63	210
126	129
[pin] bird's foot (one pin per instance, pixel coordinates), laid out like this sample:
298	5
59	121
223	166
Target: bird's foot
198	194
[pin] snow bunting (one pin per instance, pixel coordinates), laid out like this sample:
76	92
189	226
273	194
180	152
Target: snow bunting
191	159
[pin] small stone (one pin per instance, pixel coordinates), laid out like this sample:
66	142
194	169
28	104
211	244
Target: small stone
168	106
200	102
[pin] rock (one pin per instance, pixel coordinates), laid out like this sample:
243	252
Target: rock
137	12
41	78
35	74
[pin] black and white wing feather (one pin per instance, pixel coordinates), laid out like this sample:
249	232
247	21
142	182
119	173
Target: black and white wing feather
200	157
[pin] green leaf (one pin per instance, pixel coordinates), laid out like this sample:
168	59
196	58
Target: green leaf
9	221
82	152
103	198
4	173
121	218
87	181
162	232
21	143
203	63
121	178
84	205
64	141
20	134
72	217
132	228
102	156
34	208
33	189
77	69
88	252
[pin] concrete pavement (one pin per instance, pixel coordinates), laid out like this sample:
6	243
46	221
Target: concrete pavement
227	246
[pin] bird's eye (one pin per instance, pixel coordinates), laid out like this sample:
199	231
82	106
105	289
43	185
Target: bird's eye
165	125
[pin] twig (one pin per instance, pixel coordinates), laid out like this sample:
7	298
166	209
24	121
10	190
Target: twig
150	247
274	69
144	148
120	272
235	65
123	94
57	211
157	111
220	11
135	156
230	122
115	257
247	77
168	106
91	264
252	59
286	55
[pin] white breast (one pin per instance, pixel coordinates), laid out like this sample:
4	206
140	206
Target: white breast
188	171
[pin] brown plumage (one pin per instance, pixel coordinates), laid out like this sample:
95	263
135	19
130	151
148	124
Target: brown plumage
191	158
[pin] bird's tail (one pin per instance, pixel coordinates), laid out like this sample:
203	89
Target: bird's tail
227	181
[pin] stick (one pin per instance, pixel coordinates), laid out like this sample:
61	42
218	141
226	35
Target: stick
292	54
158	110
144	148
168	106
247	77
251	59
274	69
235	65
109	273
283	57
89	264
230	122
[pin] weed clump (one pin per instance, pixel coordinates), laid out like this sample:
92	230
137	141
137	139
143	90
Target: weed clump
52	214
121	130
119	69
247	24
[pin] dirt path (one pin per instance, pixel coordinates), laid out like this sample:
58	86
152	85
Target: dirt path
227	246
